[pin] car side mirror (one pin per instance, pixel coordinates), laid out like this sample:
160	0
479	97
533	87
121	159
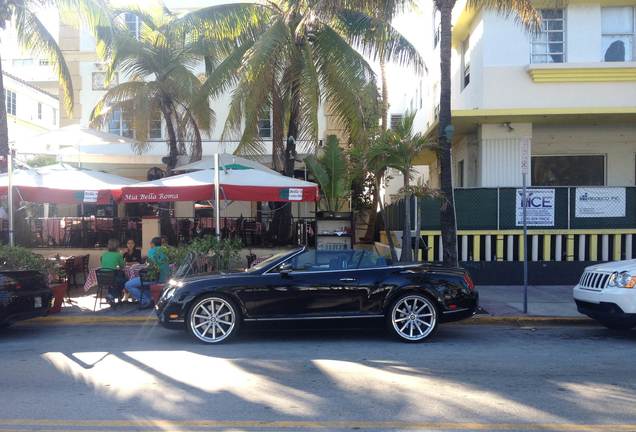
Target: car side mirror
285	269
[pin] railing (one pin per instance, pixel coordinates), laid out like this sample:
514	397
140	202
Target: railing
75	232
543	245
251	231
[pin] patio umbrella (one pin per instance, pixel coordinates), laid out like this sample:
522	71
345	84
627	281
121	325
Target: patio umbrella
65	184
237	182
226	161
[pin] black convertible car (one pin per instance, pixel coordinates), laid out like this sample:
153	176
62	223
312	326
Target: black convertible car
309	284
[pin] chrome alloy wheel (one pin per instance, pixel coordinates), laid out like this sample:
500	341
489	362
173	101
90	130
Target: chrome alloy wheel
212	320
413	317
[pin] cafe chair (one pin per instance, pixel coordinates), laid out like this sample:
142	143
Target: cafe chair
146	283
71	275
106	279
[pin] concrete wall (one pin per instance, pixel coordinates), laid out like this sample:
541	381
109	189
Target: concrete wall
616	142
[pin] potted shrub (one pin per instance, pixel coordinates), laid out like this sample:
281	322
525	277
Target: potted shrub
20	258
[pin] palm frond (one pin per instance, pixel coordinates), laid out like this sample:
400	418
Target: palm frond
523	11
344	74
377	39
34	36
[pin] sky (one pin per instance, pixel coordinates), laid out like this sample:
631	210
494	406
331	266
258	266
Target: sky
402	82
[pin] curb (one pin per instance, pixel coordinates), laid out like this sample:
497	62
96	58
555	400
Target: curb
516	320
92	320
524	321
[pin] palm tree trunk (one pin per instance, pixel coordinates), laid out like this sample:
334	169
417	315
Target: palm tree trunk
282	220
278	132
448	223
387	230
407	248
197	146
4	128
384	108
384	124
172	138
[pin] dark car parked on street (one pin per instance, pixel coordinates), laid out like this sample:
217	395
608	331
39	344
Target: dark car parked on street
309	284
23	295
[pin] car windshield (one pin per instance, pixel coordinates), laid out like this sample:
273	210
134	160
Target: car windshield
312	260
276	257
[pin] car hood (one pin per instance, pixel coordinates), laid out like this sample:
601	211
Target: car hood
615	266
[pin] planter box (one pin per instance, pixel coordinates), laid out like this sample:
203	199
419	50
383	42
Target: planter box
59	290
155	292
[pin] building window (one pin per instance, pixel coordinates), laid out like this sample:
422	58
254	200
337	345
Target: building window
460	174
618	34
39	111
10	102
44	62
22	62
548	46
396	120
574	170
119	124
466	62
99	81
265	125
154	131
54	117
132	24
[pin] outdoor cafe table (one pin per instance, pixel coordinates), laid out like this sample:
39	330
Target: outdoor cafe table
130	272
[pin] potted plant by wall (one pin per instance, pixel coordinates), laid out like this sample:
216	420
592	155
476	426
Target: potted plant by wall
331	171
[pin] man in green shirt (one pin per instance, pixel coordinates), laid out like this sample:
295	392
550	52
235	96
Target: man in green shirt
113	260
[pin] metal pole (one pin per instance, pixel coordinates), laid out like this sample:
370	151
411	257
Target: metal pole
10	194
217	195
416	224
525	247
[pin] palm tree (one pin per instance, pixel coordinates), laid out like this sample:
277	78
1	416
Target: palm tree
296	56
331	171
34	37
161	66
526	14
375	157
405	146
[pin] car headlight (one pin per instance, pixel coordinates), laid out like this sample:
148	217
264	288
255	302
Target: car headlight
175	284
622	280
169	293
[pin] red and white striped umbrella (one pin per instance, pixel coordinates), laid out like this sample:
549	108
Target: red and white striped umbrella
65	184
238	182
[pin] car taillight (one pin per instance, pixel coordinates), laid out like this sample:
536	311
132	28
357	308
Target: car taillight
469	282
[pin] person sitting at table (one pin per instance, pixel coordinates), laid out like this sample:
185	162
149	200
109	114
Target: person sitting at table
112	260
132	253
157	257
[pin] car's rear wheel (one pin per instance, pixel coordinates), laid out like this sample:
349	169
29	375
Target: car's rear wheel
213	319
412	318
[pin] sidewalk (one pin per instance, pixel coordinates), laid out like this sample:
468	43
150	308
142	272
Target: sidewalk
548	305
553	301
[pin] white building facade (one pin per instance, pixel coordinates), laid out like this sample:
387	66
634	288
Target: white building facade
30	111
569	90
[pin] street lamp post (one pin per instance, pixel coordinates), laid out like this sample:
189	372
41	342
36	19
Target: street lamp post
10	194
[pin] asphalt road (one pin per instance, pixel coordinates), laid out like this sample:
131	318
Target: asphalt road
123	378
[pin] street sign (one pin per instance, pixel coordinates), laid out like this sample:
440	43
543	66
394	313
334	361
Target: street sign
525	156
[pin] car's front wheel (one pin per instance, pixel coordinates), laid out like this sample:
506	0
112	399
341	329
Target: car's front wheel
412	318
213	319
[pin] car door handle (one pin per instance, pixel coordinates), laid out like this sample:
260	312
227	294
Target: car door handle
348	279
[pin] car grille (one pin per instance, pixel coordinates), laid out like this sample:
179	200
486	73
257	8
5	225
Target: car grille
594	280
